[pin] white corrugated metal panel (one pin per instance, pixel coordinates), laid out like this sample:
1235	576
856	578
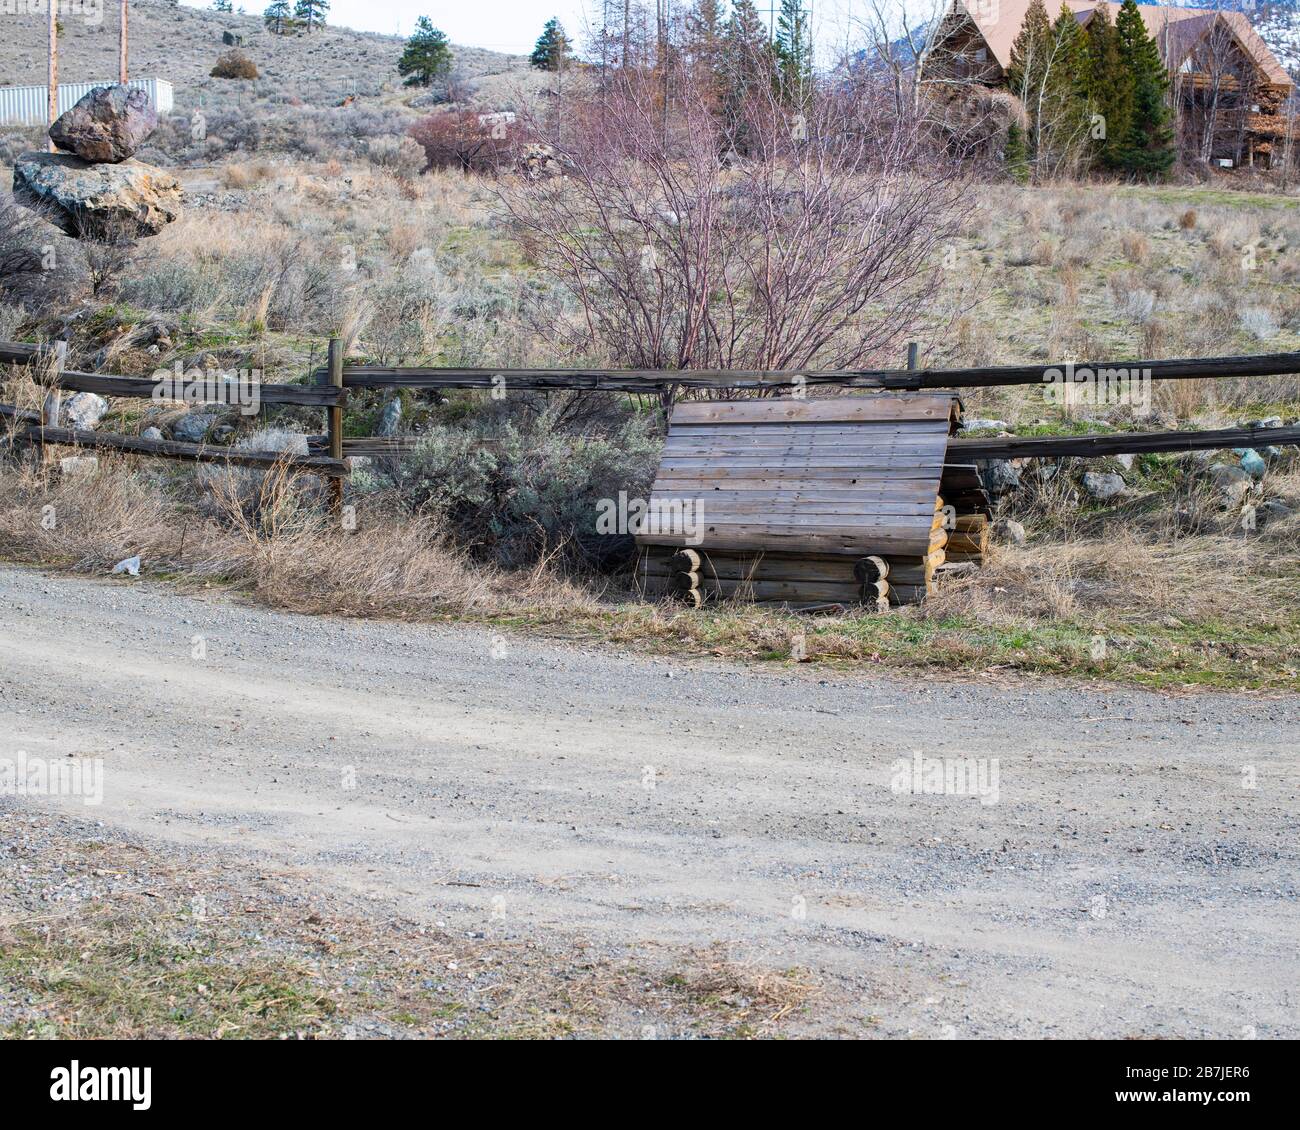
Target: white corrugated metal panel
26	105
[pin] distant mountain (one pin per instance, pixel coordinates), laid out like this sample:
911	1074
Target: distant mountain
1278	25
1276	21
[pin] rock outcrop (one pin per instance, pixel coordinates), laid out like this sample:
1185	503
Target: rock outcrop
108	125
120	201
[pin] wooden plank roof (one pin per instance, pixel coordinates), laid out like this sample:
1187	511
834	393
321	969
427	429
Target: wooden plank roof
849	474
1176	30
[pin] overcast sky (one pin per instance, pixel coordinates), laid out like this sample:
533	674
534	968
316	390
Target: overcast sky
514	25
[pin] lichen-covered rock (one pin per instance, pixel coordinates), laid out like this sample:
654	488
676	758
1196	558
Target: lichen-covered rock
109	124
85	409
124	201
1000	477
1009	531
1102	485
193	427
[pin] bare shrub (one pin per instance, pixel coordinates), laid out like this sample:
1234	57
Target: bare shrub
400	155
1133	300
247	175
1136	246
1258	321
754	239
1155	335
234	64
466	140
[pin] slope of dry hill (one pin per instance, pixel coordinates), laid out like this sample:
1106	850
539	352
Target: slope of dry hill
181	44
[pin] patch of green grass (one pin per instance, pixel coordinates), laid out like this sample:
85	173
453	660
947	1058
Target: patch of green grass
140	978
1213	654
1206	195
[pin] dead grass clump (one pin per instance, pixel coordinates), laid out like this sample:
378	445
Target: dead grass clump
1187	221
1133	299
1155	336
263	535
1136	246
247	175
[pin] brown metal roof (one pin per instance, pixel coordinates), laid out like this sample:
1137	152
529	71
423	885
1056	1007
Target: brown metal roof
1176	30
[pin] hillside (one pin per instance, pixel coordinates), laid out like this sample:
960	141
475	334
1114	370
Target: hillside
1279	26
180	44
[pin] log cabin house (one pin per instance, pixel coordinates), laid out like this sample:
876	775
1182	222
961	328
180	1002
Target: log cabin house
1232	98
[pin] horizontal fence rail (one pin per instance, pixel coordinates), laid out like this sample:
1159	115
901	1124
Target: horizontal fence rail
652	380
328	389
248	396
1121	443
192	452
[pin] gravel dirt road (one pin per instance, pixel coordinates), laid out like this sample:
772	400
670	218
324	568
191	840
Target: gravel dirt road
1122	879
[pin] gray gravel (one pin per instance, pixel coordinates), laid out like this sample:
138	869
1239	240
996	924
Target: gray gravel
1125	883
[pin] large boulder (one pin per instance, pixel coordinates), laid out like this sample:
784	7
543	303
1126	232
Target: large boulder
124	201
109	124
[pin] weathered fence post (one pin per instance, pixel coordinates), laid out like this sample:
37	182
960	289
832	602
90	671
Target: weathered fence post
911	355
54	397
335	422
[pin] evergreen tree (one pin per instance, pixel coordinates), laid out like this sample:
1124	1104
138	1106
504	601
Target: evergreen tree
278	16
222	6
793	50
1045	74
1109	87
1146	148
427	55
705	31
1017	154
750	67
311	12
552	47
1069	115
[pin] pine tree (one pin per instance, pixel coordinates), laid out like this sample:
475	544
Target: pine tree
1017	154
1146	148
552	47
793	50
750	67
1109	86
427	55
278	17
223	6
705	30
311	12
1046	59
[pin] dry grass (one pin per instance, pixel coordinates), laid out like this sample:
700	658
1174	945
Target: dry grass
1211	607
281	549
118	939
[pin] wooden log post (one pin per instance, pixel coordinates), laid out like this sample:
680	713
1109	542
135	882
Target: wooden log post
334	422
52	93
50	407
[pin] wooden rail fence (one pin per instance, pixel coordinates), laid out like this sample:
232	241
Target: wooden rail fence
327	454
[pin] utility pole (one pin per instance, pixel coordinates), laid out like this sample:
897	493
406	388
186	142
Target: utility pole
54	67
122	74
